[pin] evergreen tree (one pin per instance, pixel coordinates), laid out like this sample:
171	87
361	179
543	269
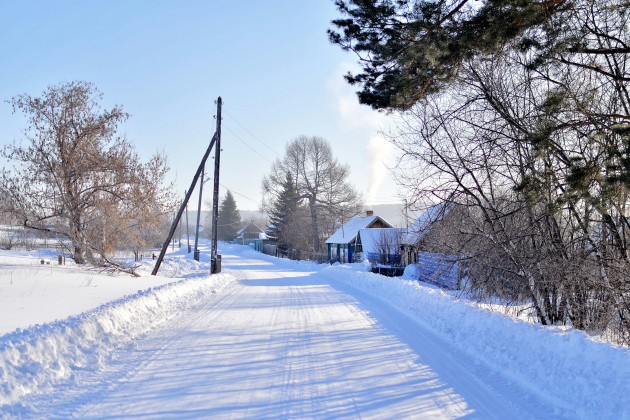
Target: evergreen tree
229	220
412	48
321	180
282	210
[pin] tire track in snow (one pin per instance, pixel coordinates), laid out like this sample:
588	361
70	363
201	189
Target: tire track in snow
285	344
87	386
493	396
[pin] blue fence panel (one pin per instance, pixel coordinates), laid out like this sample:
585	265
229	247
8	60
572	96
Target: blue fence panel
390	259
440	270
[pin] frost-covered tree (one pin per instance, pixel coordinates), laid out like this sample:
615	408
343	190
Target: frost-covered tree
531	140
75	177
320	180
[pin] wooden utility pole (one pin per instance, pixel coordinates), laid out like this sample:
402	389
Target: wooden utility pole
182	207
215	139
187	230
215	199
196	254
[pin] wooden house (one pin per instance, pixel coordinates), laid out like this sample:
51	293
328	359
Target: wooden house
341	245
413	240
252	235
380	245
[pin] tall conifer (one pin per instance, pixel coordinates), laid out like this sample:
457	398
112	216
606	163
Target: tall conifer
412	48
229	220
282	209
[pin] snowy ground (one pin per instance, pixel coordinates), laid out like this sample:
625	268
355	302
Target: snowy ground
32	293
274	338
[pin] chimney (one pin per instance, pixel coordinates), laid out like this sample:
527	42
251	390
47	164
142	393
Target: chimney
370	213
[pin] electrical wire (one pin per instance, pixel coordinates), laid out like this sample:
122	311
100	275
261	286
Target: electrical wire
252	134
230	224
237	193
245	143
386	198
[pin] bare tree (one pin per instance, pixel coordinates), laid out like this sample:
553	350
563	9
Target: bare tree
77	178
388	244
298	234
536	157
321	180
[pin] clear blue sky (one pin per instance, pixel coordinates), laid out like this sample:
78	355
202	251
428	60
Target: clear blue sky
166	63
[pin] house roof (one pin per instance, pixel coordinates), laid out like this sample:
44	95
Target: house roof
348	232
371	237
251	227
261	235
422	225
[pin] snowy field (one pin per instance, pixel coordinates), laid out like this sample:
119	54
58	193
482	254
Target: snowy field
32	293
273	338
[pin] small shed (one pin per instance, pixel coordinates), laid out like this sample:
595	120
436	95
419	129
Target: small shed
342	243
380	245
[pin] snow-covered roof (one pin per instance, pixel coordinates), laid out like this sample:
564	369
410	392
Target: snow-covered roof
422	224
348	232
251	227
371	237
261	235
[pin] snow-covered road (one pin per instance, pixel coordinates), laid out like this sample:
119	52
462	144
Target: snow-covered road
280	343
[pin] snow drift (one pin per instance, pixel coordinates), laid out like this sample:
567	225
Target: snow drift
562	366
37	358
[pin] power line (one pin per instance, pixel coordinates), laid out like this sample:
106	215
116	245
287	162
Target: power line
384	201
387	198
252	134
237	193
254	150
230	224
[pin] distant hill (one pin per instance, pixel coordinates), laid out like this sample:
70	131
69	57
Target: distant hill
246	215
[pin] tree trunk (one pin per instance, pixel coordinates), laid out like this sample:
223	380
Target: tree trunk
78	253
77	239
312	200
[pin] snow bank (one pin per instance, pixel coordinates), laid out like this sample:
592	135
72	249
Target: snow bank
562	366
35	359
31	293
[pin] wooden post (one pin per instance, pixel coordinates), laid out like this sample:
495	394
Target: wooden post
215	200
196	254
187	230
182	207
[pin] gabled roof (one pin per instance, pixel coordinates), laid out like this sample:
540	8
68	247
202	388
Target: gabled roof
422	225
348	232
251	227
370	237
